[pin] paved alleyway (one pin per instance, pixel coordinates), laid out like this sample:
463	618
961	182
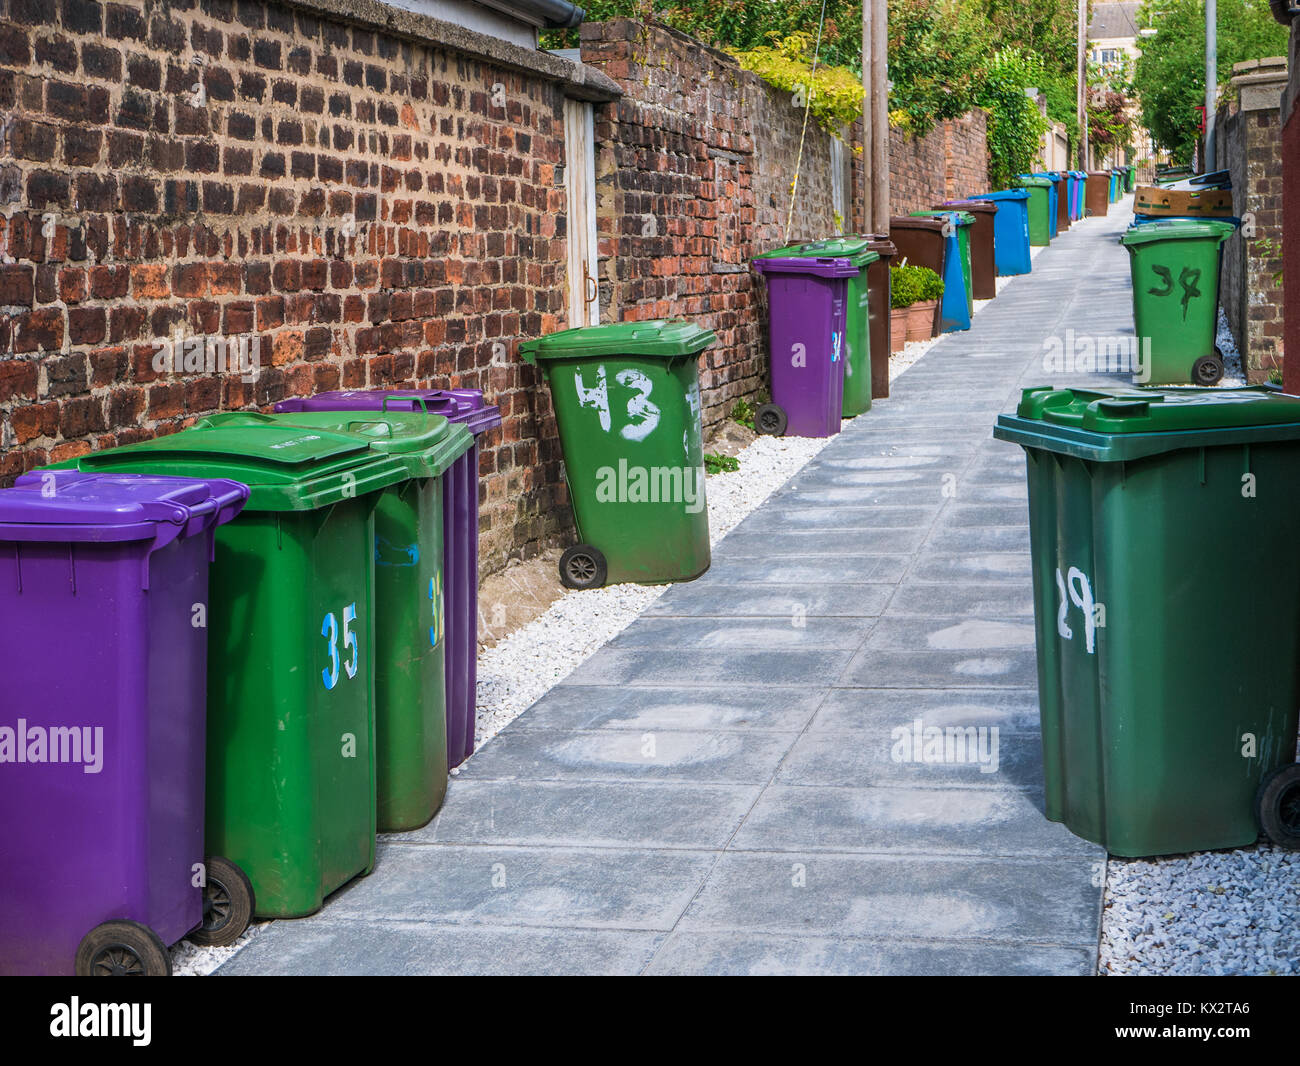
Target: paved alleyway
714	791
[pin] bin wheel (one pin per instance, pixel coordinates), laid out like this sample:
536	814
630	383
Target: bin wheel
1207	370
583	567
228	904
770	420
122	949
1278	804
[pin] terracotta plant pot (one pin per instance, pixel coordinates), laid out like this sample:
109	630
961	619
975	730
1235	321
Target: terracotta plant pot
897	328
920	320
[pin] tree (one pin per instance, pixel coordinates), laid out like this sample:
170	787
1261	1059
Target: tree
1169	78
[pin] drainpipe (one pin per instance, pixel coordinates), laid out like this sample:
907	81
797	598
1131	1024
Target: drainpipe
549	14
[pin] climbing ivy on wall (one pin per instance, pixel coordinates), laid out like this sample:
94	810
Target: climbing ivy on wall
1015	127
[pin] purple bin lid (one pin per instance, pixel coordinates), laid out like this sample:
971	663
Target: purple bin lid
68	505
819	266
464	406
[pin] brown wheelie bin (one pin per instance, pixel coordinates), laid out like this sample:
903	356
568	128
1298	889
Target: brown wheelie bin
878	309
921	241
1098	192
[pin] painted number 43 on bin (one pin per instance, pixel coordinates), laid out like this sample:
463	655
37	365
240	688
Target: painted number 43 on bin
331	631
1074	590
642	415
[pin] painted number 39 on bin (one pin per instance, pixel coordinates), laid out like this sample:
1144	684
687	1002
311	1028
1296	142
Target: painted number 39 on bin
332	633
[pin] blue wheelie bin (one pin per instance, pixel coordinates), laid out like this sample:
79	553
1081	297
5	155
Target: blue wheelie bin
1010	230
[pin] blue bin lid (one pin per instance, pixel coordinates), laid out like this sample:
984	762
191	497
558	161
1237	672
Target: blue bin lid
69	505
1003	194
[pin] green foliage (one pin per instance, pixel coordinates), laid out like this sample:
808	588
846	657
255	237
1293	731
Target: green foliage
833	94
720	464
1048	28
740	24
1169	78
1016	127
936	48
743	414
913	284
930	283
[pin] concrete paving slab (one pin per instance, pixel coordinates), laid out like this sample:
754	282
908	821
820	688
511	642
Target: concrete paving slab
700	756
626	814
874	709
1039	900
917	821
618	707
791	602
769	955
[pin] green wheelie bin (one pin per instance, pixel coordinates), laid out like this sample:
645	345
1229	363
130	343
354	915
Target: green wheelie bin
627	403
1175	267
857	327
410	622
1040	219
291	649
1167	684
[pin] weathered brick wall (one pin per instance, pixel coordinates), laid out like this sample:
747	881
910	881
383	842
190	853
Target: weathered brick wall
966	155
357	201
949	162
693	173
777	128
1249	135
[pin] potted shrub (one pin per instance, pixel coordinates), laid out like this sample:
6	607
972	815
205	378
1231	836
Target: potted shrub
904	291
921	315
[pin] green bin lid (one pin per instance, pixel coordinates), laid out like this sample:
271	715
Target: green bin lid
287	467
1028	182
1178	229
428	444
962	218
1127	422
857	250
665	338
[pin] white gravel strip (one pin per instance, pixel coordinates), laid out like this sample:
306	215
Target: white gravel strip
1233	372
1212	913
190	960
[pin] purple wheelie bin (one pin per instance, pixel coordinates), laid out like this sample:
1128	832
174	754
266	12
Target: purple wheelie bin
807	305
103	594
460	532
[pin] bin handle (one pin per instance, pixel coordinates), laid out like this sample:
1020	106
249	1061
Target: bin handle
388	429
407	399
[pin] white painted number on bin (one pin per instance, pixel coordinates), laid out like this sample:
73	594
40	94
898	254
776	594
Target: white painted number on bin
330	631
597	397
642	415
1075	588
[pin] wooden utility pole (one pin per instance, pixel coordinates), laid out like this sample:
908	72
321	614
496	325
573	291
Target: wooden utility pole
875	115
1081	98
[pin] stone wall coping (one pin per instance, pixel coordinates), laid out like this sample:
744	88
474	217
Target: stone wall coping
580	81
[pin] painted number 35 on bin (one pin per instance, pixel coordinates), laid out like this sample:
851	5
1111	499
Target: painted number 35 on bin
332	633
642	415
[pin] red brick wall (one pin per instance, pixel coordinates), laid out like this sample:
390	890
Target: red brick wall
133	205
949	162
693	174
1250	145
